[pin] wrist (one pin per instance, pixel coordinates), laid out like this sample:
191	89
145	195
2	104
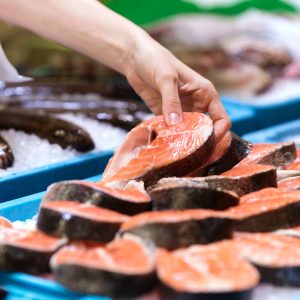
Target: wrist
137	39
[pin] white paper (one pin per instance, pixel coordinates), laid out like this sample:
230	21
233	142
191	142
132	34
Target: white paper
7	72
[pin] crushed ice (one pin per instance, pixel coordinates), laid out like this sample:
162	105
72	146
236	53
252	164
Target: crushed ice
31	151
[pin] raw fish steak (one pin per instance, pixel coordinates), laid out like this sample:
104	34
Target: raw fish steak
152	150
205	272
122	268
23	250
277	257
277	155
228	153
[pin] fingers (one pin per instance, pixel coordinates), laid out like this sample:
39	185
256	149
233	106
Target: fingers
220	118
204	98
171	106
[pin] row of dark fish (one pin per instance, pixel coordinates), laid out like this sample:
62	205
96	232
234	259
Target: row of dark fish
31	106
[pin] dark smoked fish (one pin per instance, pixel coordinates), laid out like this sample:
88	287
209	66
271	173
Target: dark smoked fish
6	155
55	130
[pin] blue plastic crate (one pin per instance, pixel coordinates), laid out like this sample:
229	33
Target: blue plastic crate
274	134
267	114
24	286
29	287
37	179
242	118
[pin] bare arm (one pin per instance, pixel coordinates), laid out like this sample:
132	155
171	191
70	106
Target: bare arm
89	27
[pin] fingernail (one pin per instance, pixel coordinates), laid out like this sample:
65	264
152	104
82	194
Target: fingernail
174	118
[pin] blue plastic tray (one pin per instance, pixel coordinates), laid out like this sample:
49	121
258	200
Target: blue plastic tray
274	134
28	287
24	286
270	114
37	179
242	118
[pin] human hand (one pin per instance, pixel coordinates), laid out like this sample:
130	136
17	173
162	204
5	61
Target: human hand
170	87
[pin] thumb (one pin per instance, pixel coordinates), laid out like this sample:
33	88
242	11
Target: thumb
171	106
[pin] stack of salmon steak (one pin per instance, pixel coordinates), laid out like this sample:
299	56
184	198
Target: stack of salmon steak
175	212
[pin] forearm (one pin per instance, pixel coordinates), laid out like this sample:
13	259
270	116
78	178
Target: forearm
84	25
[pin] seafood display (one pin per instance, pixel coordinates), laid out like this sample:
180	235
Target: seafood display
150	225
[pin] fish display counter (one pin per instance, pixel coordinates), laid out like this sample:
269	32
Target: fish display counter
223	215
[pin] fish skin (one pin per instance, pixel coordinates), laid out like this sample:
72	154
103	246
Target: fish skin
175	229
188	196
77	221
100	195
228	153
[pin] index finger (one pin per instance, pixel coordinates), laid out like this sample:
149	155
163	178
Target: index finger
219	116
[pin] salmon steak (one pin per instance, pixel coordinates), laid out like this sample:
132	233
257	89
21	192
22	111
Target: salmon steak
79	221
228	152
205	272
130	198
277	257
277	155
242	180
290	183
174	229
123	268
5	223
188	195
152	150
261	195
26	251
295	165
271	212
